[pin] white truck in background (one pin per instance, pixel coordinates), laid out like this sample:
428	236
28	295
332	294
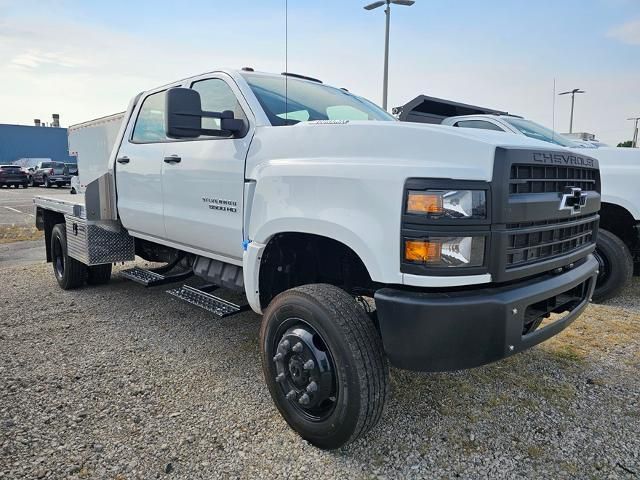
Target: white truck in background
618	245
316	204
91	143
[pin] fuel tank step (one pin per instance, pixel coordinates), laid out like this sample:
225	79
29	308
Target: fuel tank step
203	299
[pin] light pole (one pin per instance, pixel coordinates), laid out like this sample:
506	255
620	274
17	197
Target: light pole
634	142
573	94
387	11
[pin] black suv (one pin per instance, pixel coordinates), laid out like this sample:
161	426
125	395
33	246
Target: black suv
50	173
13	175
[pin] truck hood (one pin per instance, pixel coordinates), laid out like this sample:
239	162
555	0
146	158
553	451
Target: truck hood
406	149
619	173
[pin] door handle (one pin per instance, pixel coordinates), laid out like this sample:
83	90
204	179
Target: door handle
172	159
123	160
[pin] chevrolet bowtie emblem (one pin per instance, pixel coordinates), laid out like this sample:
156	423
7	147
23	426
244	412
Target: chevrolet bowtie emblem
573	199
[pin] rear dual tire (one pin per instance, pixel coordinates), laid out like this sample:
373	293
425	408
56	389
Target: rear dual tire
69	272
323	362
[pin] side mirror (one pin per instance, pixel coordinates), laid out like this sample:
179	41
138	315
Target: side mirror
184	116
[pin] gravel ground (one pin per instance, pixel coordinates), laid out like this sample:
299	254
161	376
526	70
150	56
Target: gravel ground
121	382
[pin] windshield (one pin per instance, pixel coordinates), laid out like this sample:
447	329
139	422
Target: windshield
534	130
307	101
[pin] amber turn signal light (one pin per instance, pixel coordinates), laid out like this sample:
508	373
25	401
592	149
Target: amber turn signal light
423	202
422	251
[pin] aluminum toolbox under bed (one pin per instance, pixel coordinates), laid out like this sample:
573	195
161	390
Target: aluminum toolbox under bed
93	242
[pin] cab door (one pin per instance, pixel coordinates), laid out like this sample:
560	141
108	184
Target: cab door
203	178
138	168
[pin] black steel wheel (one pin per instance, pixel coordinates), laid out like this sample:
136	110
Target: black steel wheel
615	265
69	272
324	365
304	369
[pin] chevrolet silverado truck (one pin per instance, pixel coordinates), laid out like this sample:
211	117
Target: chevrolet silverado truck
361	240
618	244
49	174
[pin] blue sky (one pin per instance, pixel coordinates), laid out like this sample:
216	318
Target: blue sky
84	59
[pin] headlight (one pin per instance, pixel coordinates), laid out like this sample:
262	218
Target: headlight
445	251
448	203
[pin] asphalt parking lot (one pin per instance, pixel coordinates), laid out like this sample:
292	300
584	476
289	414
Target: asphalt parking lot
20	242
16	204
124	382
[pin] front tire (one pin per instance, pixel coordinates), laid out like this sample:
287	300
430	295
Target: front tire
615	266
69	272
323	362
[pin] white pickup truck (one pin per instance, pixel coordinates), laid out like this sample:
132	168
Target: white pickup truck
318	205
618	245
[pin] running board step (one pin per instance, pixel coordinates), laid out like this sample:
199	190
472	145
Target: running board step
218	306
149	278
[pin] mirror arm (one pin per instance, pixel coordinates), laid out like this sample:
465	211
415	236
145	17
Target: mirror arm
216	133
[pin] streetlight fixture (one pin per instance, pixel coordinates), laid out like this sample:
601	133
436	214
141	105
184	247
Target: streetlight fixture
573	94
387	11
634	142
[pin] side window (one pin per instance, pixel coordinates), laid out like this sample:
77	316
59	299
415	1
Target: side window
149	127
217	96
481	124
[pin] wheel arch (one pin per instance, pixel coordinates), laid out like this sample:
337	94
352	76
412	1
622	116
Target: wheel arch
619	221
292	258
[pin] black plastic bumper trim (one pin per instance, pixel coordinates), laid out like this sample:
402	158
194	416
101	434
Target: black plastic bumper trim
435	331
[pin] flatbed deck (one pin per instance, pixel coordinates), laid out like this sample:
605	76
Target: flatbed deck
66	207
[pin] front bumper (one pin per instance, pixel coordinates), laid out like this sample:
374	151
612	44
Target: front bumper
467	328
60	179
14	181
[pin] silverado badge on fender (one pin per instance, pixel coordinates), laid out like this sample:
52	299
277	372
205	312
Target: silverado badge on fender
221	204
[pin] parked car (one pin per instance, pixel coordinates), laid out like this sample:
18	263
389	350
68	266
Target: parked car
72	169
29	165
49	174
618	242
13	175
